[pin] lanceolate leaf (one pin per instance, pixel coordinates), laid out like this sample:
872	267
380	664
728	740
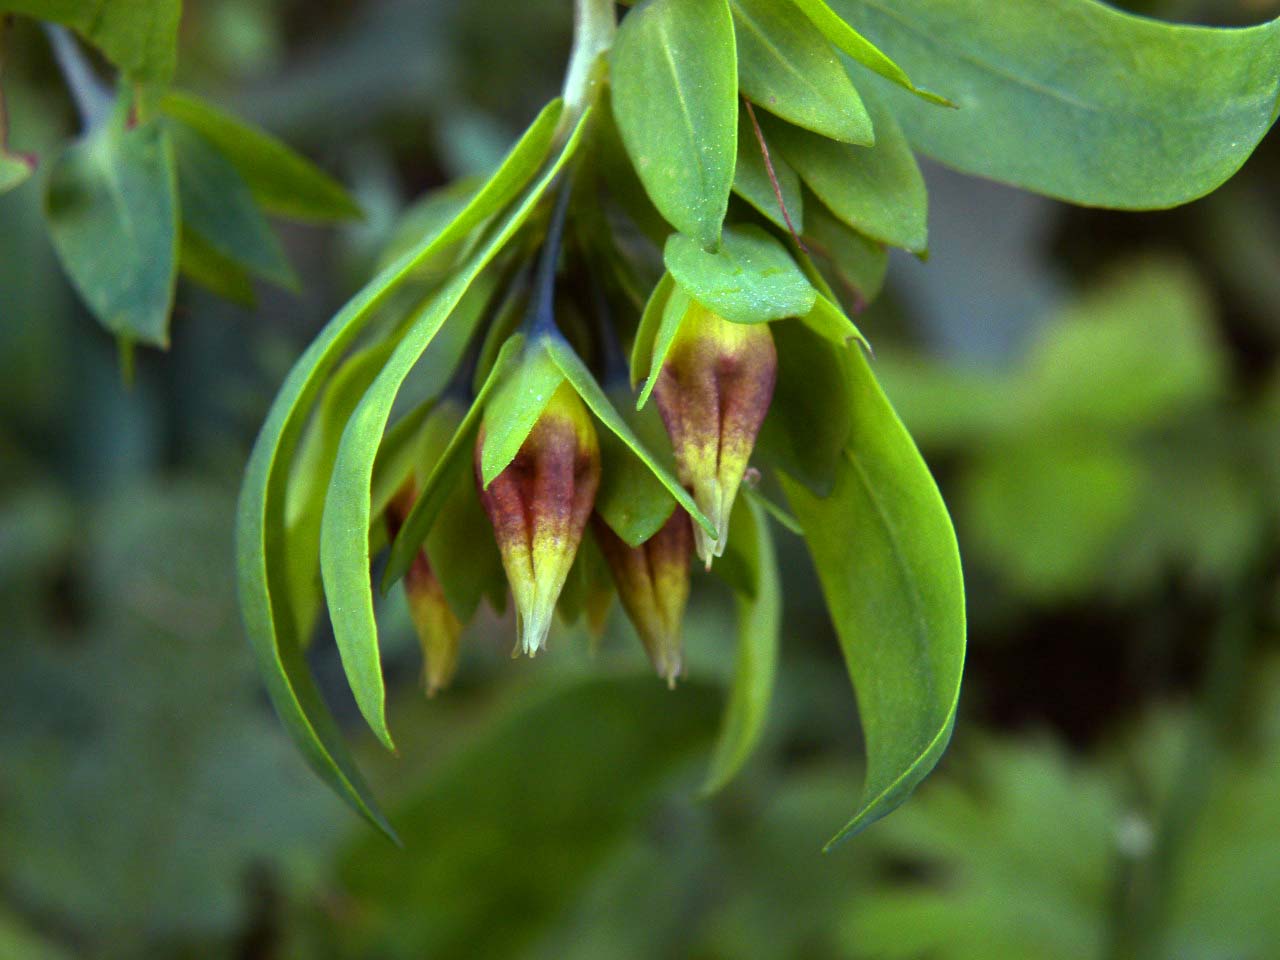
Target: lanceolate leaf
283	182
647	331
217	205
878	190
631	500
750	279
675	99
1146	115
112	207
858	263
677	307
787	66
515	405
576	372
759	627
887	559
205	266
263	581
344	548
138	36
861	49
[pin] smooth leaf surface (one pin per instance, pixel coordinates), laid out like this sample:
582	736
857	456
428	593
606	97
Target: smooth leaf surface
878	190
678	306
787	66
848	40
756	662
216	205
647	331
515	405
344	546
138	36
750	279
206	267
1077	100
576	372
632	501
13	170
675	99
262	575
282	181
112	206
896	600
751	179
857	263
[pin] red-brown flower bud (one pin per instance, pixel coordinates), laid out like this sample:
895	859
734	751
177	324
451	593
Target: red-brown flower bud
539	505
439	630
653	585
713	393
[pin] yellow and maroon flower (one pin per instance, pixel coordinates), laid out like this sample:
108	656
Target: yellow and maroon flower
539	507
439	630
713	393
653	585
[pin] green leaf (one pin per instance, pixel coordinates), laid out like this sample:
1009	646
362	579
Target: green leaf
515	405
575	809
750	279
897	600
829	322
344	546
751	179
787	66
263	578
878	190
857	263
282	181
138	36
861	49
759	632
205	266
675	99
112	206
217	206
455	461
677	307
14	170
1077	100
576	372
647	331
632	501
808	424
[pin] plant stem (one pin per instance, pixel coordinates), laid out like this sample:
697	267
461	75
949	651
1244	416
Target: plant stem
541	316
594	26
92	98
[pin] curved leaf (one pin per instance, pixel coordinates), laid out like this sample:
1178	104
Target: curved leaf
138	36
759	626
887	559
515	406
677	307
787	66
631	500
647	331
1077	100
260	527
282	181
344	545
750	279
674	74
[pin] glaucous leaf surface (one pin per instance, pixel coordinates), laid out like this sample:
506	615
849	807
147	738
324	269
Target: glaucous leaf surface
111	202
1078	100
674	76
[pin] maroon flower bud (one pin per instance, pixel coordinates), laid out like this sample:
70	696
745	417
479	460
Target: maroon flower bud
439	630
653	585
713	393
539	505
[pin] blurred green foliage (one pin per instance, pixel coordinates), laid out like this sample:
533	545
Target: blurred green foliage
1113	475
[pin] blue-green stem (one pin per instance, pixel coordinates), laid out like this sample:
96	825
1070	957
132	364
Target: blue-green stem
92	98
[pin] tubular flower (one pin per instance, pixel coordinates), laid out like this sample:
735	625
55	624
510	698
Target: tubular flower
539	507
713	393
653	585
439	630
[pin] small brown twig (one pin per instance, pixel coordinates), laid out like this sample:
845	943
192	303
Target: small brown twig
773	176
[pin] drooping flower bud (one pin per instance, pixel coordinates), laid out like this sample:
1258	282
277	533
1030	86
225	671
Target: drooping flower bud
653	585
539	505
439	630
713	393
